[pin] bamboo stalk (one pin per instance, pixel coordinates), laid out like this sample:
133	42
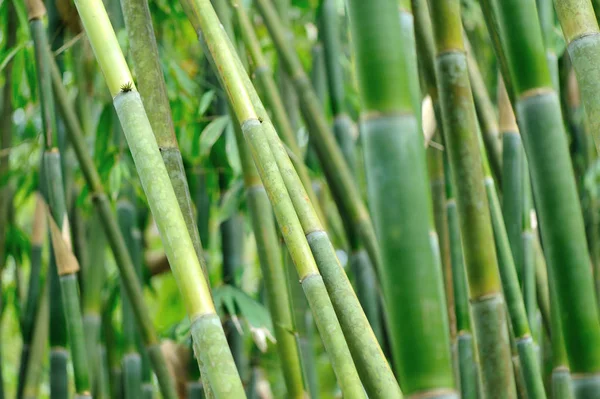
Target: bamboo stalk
33	291
131	360
466	343
94	276
259	134
114	236
392	140
33	372
67	270
562	227
209	338
266	84
271	263
337	172
459	123
152	88
55	196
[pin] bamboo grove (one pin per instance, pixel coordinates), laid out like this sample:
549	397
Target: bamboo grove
300	199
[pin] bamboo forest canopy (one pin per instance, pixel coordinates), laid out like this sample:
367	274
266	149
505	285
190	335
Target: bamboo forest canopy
300	199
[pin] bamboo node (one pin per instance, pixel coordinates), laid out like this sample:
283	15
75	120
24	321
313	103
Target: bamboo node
538	91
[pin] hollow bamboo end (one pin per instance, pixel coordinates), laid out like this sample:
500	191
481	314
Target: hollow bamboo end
586	385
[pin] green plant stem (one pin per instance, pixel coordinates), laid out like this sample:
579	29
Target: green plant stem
337	172
152	88
271	262
459	123
560	218
115	238
392	140
131	361
39	340
266	84
215	359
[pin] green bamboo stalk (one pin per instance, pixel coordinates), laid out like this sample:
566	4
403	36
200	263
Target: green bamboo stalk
131	361
153	90
436	163
561	376
209	339
33	291
258	134
115	373
378	378
345	134
337	172
67	270
94	276
266	84
232	245
541	288
392	141
33	372
318	75
115	238
538	110
286	85
271	262
459	124
466	344
582	34
513	163
55	197
486	116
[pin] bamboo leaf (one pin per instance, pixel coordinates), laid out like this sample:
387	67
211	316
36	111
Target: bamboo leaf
205	101
211	134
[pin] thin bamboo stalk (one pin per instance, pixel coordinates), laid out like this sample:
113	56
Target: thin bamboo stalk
271	262
55	197
538	110
115	238
94	276
266	84
131	361
33	372
258	133
153	90
67	270
34	286
459	124
337	172
466	343
207	332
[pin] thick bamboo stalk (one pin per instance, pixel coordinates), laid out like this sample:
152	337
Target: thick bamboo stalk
68	268
207	332
337	172
345	134
392	140
152	88
459	127
538	111
114	236
271	263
